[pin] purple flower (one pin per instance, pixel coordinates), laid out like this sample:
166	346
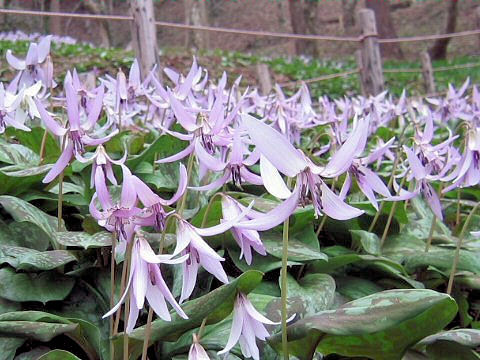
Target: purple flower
197	352
279	155
119	217
153	214
190	242
31	69
247	325
9	116
146	281
77	137
247	239
234	169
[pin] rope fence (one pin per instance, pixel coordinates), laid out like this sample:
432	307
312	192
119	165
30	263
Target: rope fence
242	31
372	69
386	71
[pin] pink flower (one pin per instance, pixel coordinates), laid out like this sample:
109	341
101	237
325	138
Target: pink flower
247	325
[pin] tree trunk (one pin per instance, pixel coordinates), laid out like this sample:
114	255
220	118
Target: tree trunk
103	30
303	21
348	13
385	27
55	22
196	14
310	15
439	49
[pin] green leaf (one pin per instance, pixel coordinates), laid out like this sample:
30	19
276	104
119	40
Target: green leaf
34	325
260	263
23	234
33	354
315	291
442	259
216	305
163	146
297	250
44	287
465	337
29	259
25	212
9	346
379	326
59	355
366	240
33	140
84	240
355	287
447	350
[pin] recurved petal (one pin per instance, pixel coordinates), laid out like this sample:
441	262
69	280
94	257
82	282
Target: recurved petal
272	180
274	146
336	208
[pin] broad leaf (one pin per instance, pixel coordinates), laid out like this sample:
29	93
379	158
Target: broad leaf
44	287
386	324
28	259
215	306
59	355
84	240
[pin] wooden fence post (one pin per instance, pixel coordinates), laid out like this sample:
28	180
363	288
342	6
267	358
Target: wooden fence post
371	60
264	79
477	15
144	35
361	73
427	72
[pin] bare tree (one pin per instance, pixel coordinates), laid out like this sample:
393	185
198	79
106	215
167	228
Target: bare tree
196	14
439	48
385	27
55	22
303	19
348	13
99	7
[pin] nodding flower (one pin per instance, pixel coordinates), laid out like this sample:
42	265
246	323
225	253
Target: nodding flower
77	136
279	155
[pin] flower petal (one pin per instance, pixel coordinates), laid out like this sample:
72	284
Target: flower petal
272	180
61	164
336	208
274	146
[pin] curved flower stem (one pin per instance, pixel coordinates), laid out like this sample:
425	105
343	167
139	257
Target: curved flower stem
209	207
189	175
430	234
434	222
148	327
283	286
148	331
457	250
112	291
127	261
42	146
390	217
202	329
60	193
459	197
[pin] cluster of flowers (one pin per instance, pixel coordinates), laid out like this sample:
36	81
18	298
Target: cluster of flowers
229	132
19	35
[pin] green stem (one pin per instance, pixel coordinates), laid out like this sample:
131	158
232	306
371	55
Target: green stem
283	278
209	207
430	233
459	197
202	329
42	146
390	217
457	250
112	292
392	177
189	174
148	331
127	261
60	193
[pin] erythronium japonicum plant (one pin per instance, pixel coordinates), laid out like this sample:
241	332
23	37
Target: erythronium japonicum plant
252	226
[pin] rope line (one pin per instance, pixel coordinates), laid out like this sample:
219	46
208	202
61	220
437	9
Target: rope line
244	32
320	78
